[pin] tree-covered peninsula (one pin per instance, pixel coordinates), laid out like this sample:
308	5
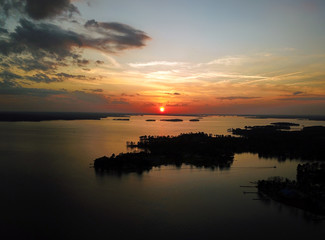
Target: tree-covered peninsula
217	151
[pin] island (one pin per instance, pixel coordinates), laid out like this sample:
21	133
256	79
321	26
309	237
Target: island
217	151
172	120
194	120
151	120
121	119
195	149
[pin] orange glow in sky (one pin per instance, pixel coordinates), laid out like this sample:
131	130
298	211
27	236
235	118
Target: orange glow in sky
162	109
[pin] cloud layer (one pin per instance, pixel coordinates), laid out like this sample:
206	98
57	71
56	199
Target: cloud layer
42	42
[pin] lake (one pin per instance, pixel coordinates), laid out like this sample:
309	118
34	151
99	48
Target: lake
50	191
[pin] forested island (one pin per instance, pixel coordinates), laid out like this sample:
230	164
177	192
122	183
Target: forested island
217	151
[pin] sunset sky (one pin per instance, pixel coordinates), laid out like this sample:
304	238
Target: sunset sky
188	56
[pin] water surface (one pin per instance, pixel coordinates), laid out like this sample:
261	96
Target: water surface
49	191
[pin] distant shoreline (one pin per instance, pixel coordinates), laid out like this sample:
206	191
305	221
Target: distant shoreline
50	116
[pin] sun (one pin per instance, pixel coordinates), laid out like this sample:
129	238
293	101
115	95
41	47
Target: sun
162	109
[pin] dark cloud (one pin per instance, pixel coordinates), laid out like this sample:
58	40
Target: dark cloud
29	64
89	97
71	96
40	40
78	76
82	62
40	9
66	75
98	90
40	92
41	77
9	8
38	49
127	95
149	105
176	105
120	102
37	9
312	98
9	80
114	36
49	40
9	76
175	93
2	30
297	93
236	98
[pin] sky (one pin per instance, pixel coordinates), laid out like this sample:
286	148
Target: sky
188	56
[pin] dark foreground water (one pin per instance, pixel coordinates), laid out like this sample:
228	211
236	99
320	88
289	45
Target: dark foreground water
48	190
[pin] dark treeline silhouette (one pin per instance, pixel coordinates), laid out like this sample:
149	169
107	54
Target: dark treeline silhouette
270	141
172	120
308	117
121	119
196	149
46	116
307	192
203	150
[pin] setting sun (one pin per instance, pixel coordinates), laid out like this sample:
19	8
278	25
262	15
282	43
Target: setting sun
162	109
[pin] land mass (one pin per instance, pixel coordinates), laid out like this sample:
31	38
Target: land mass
307	192
217	151
47	116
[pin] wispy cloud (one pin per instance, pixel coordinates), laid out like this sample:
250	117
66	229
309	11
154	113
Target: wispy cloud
227	61
156	63
297	93
236	98
316	98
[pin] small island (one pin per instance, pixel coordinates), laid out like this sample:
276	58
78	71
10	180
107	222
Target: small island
151	120
172	120
121	119
194	120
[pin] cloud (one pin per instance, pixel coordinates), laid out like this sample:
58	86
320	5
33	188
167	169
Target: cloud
40	92
120	102
2	30
236	98
66	75
15	90
49	40
82	62
316	98
41	77
98	90
40	40
175	93
11	79
227	61
155	63
38	9
113	36
8	76
176	105
297	93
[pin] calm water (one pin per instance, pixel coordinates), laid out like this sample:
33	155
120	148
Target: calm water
49	190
